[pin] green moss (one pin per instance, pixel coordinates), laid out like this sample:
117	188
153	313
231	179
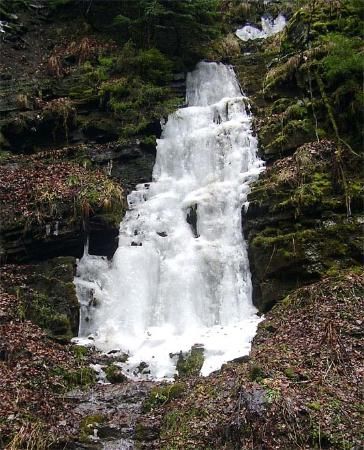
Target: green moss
355	189
137	103
114	374
329	244
160	395
344	59
309	194
80	352
149	141
292	135
266	240
272	395
290	373
281	105
190	364
316	405
323	43
135	129
140	94
82	377
256	373
60	326
40	310
296	111
107	61
286	302
88	424
4	155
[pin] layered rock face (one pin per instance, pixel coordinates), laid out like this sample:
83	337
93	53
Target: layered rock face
65	153
300	225
304	219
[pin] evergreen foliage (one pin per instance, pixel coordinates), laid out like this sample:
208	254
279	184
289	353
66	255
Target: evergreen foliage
177	28
322	48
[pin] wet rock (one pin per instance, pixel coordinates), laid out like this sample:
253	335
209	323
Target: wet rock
146	431
114	374
162	234
296	225
101	130
240	359
31	129
191	219
50	299
119	405
131	163
21	245
142	369
254	400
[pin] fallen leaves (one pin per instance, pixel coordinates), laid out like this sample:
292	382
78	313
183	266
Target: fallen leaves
35	190
306	392
31	384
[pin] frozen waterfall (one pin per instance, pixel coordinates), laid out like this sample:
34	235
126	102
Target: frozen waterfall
180	275
269	28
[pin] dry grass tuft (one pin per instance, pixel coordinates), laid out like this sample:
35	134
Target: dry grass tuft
31	436
54	67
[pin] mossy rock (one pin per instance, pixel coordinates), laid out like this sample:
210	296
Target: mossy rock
4	147
73	378
100	128
190	364
256	373
282	261
146	432
49	298
161	395
114	374
87	426
278	141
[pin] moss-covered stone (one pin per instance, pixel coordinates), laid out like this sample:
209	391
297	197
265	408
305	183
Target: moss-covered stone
301	223
114	374
256	373
81	377
191	363
161	395
87	426
47	296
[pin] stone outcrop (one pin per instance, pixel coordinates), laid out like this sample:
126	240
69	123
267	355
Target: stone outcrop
304	219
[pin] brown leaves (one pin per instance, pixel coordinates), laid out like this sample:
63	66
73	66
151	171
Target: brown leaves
29	384
38	191
309	359
289	170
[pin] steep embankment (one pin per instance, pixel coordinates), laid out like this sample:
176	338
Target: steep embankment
298	389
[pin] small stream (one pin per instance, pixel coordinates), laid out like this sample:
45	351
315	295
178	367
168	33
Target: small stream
119	406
